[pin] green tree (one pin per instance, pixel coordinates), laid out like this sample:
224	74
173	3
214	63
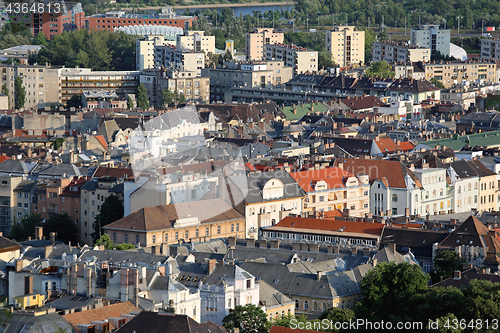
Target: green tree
168	97
142	97
64	226
228	56
182	98
111	211
338	315
20	92
445	263
386	287
380	69
437	83
106	241
248	318
325	60
5	91
75	101
124	246
40	39
130	103
26	227
445	324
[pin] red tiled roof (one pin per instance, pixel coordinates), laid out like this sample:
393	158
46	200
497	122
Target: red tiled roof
290	222
334	178
250	166
332	214
73	188
114	172
101	140
408	225
102	313
360	103
386	145
376	169
406	146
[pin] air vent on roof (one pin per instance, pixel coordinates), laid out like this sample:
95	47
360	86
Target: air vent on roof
276	280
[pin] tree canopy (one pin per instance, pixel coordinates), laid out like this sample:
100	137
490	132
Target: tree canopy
142	97
380	69
111	211
445	263
26	227
20	92
63	226
248	318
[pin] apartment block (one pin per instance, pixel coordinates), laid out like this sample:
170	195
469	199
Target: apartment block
25	193
74	81
195	86
145	50
462	73
432	37
196	41
63	16
8	201
301	59
41	84
264	74
256	41
115	19
393	52
346	45
490	49
170	57
92	195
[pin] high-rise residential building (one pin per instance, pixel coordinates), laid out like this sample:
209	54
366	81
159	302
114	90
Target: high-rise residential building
179	58
393	52
116	19
256	41
196	41
76	80
301	59
145	50
53	20
346	45
490	49
432	37
42	83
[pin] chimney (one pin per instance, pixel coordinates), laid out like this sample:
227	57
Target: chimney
250	242
262	243
38	233
53	238
366	252
374	262
28	285
336	249
48	250
345	212
407	212
319	275
354	251
211	265
274	244
231	241
392	247
19	265
488	270
457	275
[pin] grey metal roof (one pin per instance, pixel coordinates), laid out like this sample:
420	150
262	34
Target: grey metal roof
126	257
26	186
167	283
67	169
16	166
257	180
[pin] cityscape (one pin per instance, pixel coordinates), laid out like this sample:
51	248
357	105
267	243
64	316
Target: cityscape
249	167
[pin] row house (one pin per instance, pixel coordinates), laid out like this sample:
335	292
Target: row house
330	189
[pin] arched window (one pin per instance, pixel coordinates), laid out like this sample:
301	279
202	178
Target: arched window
296	304
441	192
394	198
315	306
325	306
469	187
434	193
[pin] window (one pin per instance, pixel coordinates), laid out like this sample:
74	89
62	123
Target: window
154	239
186	234
137	239
306	306
394	198
197	233
176	235
296	304
249	283
207	232
166	238
114	236
126	238
218	230
237	227
232	227
394	211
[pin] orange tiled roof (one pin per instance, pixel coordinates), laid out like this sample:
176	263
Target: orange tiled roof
290	222
406	146
332	214
386	145
110	311
101	140
334	178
